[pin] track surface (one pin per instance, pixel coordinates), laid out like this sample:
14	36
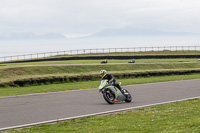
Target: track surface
20	110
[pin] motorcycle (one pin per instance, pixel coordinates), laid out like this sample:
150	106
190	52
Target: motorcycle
132	61
112	94
104	61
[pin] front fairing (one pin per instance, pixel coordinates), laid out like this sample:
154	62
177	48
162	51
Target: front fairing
103	84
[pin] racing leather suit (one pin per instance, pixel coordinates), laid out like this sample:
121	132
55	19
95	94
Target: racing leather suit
111	79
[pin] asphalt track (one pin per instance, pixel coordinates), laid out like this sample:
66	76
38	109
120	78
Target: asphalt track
26	110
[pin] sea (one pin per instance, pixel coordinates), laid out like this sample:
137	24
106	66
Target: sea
23	47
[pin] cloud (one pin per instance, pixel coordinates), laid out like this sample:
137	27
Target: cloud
91	16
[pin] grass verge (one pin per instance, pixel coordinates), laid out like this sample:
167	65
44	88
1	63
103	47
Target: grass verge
175	117
98	61
26	72
11	91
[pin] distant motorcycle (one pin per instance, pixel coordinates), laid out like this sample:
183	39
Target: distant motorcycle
104	61
132	61
112	94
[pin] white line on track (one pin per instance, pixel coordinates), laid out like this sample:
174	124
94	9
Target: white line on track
100	113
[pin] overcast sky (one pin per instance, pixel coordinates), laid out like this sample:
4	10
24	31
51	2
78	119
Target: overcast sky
79	17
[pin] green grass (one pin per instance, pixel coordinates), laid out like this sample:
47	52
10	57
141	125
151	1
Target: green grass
181	117
11	91
24	72
167	52
98	61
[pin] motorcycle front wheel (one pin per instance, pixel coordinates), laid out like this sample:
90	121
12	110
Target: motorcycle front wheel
109	96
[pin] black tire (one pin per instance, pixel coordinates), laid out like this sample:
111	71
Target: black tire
109	96
128	97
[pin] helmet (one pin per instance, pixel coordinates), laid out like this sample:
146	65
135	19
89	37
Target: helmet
103	73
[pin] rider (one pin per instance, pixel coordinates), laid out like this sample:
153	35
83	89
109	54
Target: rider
111	79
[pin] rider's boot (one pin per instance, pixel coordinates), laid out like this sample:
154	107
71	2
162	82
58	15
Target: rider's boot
122	90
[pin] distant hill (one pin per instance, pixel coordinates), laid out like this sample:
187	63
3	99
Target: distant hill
122	32
137	32
30	35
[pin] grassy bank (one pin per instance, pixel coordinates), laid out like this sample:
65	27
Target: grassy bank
98	61
11	91
175	117
147	54
25	72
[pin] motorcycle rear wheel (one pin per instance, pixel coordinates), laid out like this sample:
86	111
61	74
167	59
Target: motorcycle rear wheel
128	97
